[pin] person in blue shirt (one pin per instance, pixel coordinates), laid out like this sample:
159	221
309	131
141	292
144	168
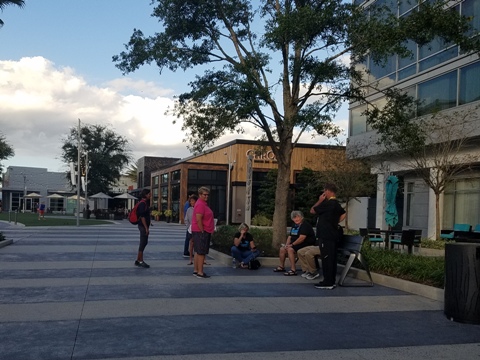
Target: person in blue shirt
301	235
244	249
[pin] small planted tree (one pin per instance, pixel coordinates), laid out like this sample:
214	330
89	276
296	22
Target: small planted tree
432	146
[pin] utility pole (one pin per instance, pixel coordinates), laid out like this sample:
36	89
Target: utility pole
79	172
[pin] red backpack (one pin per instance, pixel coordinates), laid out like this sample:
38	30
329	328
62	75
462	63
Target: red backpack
133	216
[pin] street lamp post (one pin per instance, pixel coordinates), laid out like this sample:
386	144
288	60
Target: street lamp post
24	192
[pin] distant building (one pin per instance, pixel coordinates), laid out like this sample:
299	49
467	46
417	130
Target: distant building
19	181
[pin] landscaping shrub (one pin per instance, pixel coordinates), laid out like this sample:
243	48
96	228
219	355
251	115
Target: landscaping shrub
426	270
222	239
261	220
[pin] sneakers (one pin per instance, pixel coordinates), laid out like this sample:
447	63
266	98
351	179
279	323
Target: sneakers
203	276
195	273
324	286
142	264
312	276
186	256
305	274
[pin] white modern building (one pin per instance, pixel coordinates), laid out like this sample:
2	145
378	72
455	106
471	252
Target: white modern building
441	77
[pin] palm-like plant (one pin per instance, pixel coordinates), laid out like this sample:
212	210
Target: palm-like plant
4	3
132	172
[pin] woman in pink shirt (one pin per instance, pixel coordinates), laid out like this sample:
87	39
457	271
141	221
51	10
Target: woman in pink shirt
203	226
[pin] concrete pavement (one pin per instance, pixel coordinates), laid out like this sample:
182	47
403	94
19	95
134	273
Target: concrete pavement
73	293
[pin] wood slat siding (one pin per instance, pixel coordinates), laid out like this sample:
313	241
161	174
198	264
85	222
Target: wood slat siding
264	160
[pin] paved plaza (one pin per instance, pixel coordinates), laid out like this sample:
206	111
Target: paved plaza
74	293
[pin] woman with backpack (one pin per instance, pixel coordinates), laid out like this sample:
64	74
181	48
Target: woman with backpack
143	215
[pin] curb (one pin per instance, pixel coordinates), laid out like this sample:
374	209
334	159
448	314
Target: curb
426	291
5	243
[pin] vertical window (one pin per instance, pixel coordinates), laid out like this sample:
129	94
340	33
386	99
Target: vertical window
358	121
469	83
462	202
175	175
410	194
438	94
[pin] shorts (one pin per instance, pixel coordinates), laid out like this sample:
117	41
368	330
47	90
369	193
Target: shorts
201	242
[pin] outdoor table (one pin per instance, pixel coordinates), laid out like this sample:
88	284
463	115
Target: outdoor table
387	234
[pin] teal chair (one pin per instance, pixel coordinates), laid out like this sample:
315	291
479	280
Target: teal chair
476	229
373	235
409	238
450	234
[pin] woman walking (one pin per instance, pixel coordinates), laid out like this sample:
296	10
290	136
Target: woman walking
143	213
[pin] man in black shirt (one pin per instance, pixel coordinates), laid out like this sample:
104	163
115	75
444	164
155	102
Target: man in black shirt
330	213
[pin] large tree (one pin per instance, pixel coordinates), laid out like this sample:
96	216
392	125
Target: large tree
108	154
4	3
279	65
6	151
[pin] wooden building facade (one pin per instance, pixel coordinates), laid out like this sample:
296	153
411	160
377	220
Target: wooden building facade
172	184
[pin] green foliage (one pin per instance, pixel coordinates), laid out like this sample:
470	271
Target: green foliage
308	188
421	269
261	220
266	194
6	151
108	154
222	239
434	244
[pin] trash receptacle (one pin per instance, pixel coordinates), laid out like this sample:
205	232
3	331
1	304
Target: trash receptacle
462	282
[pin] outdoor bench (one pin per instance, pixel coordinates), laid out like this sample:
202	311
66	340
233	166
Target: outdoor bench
350	248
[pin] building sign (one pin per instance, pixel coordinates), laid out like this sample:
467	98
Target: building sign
265	156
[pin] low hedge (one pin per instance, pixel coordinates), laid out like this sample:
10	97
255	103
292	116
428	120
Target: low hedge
420	269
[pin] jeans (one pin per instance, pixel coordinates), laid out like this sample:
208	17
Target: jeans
188	236
244	256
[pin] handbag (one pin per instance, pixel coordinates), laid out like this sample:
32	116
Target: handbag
254	264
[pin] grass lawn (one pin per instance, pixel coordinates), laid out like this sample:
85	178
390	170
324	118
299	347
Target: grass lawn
29	219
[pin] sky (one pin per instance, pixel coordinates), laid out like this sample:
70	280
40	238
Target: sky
56	67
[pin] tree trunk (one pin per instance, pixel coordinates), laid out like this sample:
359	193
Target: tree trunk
282	195
437	216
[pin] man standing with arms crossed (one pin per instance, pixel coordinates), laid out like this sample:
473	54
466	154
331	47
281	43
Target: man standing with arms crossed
330	213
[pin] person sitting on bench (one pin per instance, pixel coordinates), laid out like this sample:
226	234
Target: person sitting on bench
301	235
244	249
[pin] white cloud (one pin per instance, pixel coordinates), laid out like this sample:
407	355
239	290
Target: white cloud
40	102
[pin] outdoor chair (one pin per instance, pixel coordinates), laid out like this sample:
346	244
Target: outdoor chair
408	238
450	234
373	235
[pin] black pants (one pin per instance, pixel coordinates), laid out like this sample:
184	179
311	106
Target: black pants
143	237
328	254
